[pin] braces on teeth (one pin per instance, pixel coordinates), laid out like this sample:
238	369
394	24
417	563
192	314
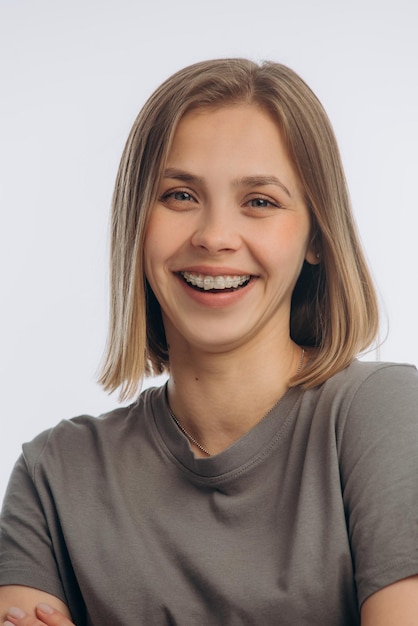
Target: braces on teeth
215	282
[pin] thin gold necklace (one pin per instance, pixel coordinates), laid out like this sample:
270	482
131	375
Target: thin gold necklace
192	439
188	435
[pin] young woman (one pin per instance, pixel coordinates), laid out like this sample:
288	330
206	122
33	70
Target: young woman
273	479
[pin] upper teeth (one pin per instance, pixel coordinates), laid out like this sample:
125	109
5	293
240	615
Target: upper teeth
203	281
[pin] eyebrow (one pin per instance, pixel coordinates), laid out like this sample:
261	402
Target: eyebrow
246	181
259	181
172	172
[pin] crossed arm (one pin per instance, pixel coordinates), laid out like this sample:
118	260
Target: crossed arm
394	605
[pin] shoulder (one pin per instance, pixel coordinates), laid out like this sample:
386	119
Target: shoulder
373	385
375	408
363	398
74	441
379	387
374	373
385	386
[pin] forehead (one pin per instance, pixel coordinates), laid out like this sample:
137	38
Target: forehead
244	137
245	128
224	114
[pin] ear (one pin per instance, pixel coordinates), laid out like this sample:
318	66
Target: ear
312	256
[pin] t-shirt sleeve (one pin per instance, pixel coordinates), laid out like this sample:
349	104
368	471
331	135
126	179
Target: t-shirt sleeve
379	473
26	548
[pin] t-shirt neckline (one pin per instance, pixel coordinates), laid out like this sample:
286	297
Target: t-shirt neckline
246	451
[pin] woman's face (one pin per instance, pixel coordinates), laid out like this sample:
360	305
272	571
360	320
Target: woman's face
229	232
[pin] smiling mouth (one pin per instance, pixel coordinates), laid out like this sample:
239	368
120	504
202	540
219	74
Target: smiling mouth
205	282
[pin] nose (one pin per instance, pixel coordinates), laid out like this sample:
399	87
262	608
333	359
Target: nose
217	231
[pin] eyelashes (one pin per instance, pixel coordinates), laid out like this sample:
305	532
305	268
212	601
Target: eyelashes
178	196
263	203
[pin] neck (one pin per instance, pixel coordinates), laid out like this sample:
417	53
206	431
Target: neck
219	397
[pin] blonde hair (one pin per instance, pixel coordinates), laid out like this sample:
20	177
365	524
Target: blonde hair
334	306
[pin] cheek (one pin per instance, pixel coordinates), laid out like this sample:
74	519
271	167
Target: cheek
162	244
163	230
150	259
153	244
286	245
152	230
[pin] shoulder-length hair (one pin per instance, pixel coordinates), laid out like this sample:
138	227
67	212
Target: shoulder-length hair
334	305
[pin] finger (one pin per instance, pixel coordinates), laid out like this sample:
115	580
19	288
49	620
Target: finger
16	617
46	616
51	616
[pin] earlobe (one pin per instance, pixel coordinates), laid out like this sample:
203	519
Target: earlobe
312	256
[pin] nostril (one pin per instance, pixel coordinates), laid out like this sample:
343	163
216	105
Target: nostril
213	242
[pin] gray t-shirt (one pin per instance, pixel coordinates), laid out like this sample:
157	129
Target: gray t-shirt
297	523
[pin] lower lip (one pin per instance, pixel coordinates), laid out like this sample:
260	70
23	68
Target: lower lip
215	299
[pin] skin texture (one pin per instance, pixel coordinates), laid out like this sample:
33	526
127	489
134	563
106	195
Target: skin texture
395	605
220	212
26	599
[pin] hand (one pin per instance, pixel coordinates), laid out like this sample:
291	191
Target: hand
46	615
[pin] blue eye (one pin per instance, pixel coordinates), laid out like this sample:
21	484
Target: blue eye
263	203
178	200
181	195
260	203
178	196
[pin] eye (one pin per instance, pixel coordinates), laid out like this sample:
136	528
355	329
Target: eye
180	196
262	203
177	199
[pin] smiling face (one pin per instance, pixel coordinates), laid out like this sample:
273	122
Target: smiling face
229	232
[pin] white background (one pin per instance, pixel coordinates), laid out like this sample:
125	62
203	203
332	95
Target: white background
73	75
